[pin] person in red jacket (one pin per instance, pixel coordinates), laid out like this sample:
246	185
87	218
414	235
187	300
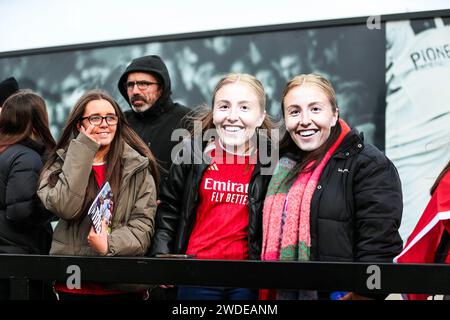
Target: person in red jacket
430	240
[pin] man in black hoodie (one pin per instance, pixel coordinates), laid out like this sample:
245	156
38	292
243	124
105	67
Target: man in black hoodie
146	86
7	88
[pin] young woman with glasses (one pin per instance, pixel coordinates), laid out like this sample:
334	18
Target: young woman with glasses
97	146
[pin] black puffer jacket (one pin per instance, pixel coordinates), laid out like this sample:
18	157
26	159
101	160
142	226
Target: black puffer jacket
155	126
357	206
179	196
24	223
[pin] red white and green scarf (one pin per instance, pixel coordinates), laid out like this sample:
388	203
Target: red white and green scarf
286	213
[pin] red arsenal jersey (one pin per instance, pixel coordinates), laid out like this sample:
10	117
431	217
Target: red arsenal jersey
220	229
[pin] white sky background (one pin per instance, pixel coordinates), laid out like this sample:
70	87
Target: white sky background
29	24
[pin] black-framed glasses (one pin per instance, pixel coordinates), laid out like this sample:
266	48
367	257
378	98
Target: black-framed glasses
111	120
142	85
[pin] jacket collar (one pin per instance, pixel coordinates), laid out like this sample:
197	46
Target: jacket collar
195	157
35	145
132	160
353	143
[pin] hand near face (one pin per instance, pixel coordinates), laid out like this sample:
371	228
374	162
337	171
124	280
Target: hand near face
99	241
88	132
101	131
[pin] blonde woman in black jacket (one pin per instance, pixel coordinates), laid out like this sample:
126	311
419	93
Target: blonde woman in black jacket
332	197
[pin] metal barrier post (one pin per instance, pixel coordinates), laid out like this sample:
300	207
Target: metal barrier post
19	288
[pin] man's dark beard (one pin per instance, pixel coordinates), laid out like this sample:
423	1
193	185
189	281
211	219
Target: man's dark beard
138	97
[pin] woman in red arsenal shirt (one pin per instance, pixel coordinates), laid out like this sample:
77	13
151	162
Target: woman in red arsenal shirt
211	204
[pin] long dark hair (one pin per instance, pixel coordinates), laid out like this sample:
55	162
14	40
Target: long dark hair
287	145
439	178
123	134
24	115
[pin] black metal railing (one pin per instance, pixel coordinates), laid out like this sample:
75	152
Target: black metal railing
322	276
